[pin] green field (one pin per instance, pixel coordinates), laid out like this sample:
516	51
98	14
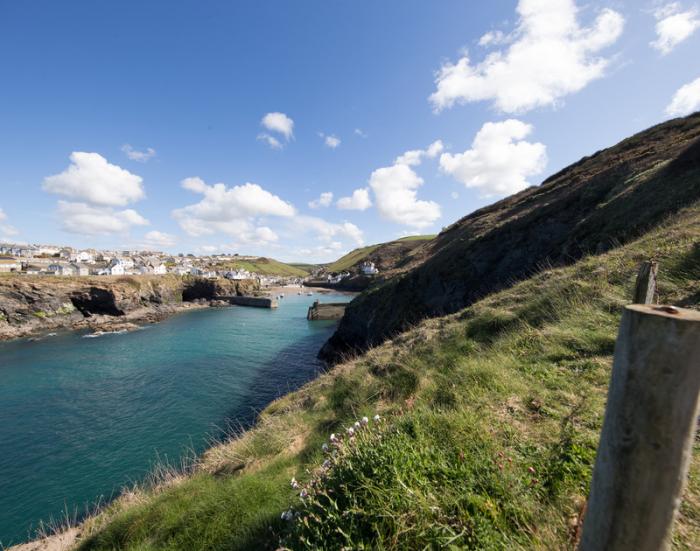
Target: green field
490	419
265	266
354	257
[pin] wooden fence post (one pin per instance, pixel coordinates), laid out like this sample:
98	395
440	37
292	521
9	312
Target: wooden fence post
645	288
648	431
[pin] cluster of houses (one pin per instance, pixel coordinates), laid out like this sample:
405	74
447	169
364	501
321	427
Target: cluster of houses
367	268
67	261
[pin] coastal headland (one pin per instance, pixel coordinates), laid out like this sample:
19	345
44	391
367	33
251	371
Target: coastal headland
36	305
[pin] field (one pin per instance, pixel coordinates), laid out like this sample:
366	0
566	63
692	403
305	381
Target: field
265	266
489	421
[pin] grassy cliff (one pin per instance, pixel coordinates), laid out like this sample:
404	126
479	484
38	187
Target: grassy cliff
489	424
387	256
592	206
266	266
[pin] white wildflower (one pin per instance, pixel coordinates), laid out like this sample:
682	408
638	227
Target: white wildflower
357	425
326	464
377	418
324	447
303	494
365	421
351	431
333	438
294	483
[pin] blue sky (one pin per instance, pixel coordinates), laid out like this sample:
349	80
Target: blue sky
117	119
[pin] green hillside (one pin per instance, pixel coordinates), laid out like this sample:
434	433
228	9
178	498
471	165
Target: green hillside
488	431
265	266
386	255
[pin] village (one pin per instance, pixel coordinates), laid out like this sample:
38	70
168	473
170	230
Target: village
68	261
54	260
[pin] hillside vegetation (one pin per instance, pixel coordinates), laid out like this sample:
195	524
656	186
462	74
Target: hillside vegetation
267	267
489	425
590	207
386	256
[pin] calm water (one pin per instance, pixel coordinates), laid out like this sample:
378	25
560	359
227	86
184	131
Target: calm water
81	417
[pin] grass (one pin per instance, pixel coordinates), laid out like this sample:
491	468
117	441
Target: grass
266	266
490	422
356	256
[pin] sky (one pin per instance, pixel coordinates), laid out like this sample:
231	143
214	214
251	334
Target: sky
301	130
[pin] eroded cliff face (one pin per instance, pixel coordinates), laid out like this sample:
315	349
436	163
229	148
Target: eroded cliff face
31	304
594	205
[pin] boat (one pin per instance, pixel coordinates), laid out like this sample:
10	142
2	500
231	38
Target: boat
309	294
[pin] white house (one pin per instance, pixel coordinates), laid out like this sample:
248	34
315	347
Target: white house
63	269
160	269
9	264
116	269
368	268
84	257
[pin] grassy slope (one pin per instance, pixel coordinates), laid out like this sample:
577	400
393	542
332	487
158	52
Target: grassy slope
265	266
354	257
490	423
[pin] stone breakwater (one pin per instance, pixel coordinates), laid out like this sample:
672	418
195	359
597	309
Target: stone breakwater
31	305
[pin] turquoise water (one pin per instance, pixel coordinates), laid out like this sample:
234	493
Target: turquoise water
82	417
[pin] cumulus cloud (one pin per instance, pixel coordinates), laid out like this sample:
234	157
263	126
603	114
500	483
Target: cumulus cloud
415	156
324	200
159	239
549	56
231	210
91	178
6	230
500	159
328	232
395	193
359	200
330	140
492	38
140	156
686	100
85	219
279	123
273	142
395	189
673	26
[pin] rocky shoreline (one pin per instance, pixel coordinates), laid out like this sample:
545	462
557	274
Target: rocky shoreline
36	307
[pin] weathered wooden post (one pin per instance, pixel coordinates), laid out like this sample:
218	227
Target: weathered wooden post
648	431
645	288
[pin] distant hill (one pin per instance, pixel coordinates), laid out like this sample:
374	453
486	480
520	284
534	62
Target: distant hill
266	266
386	256
590	207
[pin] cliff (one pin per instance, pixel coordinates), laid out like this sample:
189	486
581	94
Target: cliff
590	207
33	304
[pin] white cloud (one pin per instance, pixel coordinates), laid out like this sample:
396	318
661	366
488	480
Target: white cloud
6	230
160	239
328	232
415	156
500	160
331	141
549	57
140	156
273	142
265	235
394	189
91	178
280	123
673	26
324	200
454	195
359	200
359	132
492	38
230	210
85	219
686	100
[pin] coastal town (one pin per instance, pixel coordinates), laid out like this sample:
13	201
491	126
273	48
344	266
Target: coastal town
37	259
